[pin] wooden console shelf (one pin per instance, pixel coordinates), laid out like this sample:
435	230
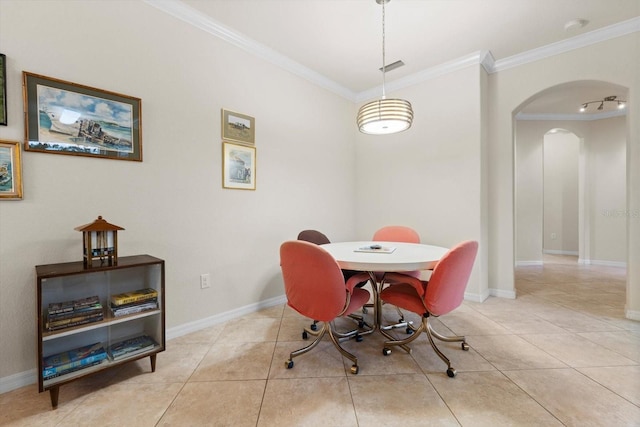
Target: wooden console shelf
66	282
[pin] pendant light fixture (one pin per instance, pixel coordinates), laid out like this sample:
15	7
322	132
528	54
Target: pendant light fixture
385	116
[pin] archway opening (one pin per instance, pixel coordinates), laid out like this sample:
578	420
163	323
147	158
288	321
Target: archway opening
545	204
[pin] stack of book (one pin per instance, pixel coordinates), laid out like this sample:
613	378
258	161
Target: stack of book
62	315
73	360
134	302
131	347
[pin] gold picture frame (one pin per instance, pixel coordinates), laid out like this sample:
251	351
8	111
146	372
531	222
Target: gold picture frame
3	89
62	117
238	127
10	171
238	166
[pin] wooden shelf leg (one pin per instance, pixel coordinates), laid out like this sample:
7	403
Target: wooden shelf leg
153	362
54	393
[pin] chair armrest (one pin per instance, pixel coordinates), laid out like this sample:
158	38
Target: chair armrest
396	278
355	279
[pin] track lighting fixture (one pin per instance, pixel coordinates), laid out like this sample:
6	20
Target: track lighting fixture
620	103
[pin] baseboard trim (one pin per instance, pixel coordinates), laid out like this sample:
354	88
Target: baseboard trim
15	381
528	263
632	314
620	264
22	379
187	328
476	297
501	293
559	252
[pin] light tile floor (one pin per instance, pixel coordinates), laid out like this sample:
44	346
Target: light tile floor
561	353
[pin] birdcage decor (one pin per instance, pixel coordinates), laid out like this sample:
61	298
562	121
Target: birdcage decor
99	243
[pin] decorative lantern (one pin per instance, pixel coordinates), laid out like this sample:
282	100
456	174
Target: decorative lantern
100	241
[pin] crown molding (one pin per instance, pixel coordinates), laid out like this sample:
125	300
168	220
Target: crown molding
191	16
479	57
587	39
572	117
199	20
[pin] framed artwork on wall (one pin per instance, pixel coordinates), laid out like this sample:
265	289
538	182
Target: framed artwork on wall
10	171
238	127
68	118
3	90
238	166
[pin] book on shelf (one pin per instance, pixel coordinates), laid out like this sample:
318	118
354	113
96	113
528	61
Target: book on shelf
134	308
135	303
77	368
74	321
87	311
131	346
69	306
62	363
134	296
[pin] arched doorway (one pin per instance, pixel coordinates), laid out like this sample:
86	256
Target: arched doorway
561	207
601	174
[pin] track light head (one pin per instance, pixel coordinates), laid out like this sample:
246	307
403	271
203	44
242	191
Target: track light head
620	104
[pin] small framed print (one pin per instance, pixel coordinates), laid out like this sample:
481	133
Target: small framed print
238	127
68	118
10	171
238	166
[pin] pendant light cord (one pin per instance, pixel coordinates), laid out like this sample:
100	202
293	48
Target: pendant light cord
383	51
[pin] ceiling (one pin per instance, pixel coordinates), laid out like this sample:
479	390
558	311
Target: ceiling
341	40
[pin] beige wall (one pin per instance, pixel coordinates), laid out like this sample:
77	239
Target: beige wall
172	205
430	177
529	137
606	172
561	152
602	190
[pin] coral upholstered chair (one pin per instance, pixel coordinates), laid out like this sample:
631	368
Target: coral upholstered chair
396	233
319	238
315	288
442	294
313	236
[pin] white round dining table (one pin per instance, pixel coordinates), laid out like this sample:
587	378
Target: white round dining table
393	256
384	257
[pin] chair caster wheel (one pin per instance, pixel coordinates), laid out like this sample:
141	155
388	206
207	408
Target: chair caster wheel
465	346
451	372
358	338
386	351
289	364
361	324
409	331
314	327
355	369
305	335
364	310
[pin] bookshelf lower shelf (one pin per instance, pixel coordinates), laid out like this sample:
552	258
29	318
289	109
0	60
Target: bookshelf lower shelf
70	285
102	365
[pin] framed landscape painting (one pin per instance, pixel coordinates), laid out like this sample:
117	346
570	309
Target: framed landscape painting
238	127
10	171
68	118
238	166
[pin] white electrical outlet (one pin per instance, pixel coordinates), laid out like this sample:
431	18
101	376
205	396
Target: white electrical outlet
205	281
553	236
